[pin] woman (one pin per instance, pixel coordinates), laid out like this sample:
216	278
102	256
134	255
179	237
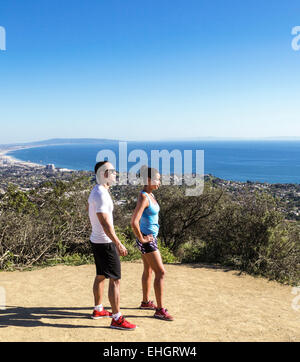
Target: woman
144	223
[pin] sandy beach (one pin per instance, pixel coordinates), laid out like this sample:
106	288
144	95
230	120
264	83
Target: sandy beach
208	304
9	160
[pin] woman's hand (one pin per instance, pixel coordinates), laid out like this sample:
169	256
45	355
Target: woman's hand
147	238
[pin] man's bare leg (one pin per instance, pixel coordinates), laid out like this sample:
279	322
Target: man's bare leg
98	289
114	295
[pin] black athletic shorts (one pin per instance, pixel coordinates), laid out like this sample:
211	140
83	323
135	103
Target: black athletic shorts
107	260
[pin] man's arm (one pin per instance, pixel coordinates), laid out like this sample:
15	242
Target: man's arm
110	232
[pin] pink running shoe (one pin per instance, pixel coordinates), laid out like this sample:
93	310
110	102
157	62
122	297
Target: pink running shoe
163	314
121	323
148	305
104	313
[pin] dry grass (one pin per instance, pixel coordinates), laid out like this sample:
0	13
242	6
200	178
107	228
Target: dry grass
208	304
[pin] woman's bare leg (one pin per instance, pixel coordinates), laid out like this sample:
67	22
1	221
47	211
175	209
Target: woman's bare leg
155	262
146	279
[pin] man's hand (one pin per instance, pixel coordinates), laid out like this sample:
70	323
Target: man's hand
121	249
110	232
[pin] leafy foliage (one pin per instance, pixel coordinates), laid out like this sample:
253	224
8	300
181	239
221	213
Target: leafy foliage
50	224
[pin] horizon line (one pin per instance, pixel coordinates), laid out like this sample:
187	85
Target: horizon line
154	140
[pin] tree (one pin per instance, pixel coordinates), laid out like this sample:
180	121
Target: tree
180	214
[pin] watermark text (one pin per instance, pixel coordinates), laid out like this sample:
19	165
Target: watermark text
296	39
2	38
182	162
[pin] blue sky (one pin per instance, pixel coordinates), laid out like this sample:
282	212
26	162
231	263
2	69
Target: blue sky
133	69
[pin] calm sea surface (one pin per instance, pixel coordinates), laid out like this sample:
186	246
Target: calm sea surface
263	161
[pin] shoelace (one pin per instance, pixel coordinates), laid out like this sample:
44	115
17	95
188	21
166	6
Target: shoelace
160	310
149	302
121	320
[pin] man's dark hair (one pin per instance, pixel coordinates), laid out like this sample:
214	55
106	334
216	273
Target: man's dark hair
99	164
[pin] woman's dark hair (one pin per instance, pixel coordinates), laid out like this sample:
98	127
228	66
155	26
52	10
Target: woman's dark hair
99	164
147	172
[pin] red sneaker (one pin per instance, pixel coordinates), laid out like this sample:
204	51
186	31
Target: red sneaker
148	305
163	314
121	323
104	313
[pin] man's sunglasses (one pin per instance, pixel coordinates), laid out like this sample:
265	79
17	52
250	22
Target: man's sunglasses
111	171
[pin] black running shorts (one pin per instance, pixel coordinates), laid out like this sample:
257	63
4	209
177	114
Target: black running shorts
107	260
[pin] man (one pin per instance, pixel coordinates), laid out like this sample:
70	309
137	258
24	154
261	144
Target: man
106	247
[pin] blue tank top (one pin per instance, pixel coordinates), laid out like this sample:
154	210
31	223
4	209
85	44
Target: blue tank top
149	220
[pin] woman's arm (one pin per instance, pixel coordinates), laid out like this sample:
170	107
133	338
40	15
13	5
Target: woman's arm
142	203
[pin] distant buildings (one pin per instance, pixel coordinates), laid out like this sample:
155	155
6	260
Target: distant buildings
4	161
50	167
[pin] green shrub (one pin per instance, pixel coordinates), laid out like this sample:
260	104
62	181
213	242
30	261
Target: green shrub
167	256
133	252
280	259
78	259
248	234
50	225
192	252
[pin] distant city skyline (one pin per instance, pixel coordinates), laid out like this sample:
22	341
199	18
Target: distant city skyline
149	70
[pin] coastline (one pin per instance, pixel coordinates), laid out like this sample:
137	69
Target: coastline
9	160
27	175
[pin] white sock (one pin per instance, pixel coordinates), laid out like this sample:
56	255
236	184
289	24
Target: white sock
116	316
99	307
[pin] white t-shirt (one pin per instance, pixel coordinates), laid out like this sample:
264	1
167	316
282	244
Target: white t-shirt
99	201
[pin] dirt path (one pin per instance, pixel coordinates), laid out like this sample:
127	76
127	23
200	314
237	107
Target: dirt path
55	304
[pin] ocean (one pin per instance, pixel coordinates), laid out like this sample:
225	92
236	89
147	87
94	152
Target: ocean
261	161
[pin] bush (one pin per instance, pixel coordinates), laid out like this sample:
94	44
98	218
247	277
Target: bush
192	252
180	215
70	259
44	223
167	256
129	243
50	224
248	234
280	259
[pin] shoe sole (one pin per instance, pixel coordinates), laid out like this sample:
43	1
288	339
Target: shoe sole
123	329
145	308
163	318
104	316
